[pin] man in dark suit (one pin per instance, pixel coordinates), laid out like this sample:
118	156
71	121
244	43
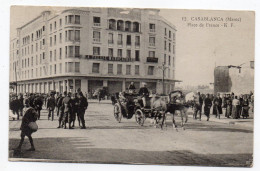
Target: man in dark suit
82	107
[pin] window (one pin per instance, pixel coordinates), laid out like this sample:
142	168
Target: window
170	33
151	41
50	69
50	56
32	37
128	69
119	52
169	61
36	72
70	51
77	67
95	68
136	27
110	68
164	61
70	35
137	55
43	41
136	69
43	55
173	49
41	71
60	22
32	49
70	66
152	27
169	47
70	19
50	41
165	45
96	50
50	27
120	39
128	40
152	54
60	53
55	25
77	51
119	68
32	61
55	54
137	40
110	52
96	36
60	68
128	53
120	25
77	35
112	24
55	69
36	47
127	26
77	19
36	59
173	36
55	39
150	70
110	38
96	21
165	31
60	37
43	28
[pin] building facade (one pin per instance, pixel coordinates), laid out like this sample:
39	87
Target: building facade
90	48
236	79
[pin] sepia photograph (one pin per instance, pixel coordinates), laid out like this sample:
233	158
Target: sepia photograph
121	85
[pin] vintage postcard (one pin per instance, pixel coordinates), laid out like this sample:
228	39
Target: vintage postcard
131	86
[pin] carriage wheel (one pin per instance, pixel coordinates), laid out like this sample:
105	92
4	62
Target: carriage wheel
139	117
117	112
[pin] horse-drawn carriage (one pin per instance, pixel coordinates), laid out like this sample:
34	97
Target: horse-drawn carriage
128	104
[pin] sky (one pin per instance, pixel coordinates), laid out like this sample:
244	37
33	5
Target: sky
198	49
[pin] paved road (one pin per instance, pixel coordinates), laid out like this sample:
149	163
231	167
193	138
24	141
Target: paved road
106	141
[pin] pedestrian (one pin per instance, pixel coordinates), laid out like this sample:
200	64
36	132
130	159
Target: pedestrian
57	103
28	126
235	108
82	107
51	106
229	106
217	106
67	105
245	107
15	106
198	101
21	99
224	104
61	109
31	100
207	106
75	104
131	88
38	105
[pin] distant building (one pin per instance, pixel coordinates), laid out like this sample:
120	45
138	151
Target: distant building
236	79
89	48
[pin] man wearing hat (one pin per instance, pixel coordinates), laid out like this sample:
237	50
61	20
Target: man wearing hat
144	92
82	107
51	106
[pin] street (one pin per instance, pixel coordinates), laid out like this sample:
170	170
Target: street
106	141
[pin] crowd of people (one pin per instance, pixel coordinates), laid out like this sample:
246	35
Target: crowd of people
67	106
231	105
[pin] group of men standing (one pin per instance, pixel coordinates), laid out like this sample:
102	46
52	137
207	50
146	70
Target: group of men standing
69	106
233	106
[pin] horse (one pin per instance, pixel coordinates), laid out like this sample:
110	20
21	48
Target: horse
159	108
178	102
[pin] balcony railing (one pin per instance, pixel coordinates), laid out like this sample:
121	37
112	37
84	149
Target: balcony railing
110	41
97	24
152	59
151	44
120	42
96	39
152	30
137	44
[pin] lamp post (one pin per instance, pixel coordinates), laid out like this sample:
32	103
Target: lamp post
163	68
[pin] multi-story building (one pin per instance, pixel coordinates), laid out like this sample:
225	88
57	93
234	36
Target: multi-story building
89	48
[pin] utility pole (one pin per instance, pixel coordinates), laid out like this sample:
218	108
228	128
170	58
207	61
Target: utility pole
163	68
15	78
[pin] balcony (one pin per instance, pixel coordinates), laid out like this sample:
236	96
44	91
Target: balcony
151	44
110	42
96	39
97	24
152	59
137	44
120	42
152	30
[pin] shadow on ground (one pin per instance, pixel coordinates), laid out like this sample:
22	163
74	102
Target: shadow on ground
80	149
